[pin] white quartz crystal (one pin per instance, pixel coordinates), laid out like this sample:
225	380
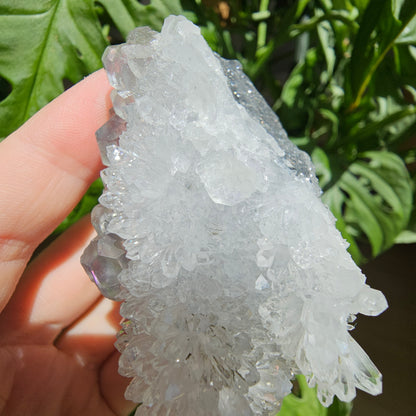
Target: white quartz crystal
211	230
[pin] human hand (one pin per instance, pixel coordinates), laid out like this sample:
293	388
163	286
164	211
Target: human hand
56	330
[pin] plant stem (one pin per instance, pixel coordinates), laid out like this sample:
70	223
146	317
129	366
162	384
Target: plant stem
262	28
311	23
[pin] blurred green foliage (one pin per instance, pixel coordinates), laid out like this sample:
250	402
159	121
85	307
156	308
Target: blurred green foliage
339	73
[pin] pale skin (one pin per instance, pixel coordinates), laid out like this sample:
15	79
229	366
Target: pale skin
56	331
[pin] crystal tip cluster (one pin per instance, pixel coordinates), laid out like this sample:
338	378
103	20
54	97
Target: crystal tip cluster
211	231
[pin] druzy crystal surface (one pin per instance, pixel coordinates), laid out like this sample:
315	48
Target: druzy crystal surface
211	230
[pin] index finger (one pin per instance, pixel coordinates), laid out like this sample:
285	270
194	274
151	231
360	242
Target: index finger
45	168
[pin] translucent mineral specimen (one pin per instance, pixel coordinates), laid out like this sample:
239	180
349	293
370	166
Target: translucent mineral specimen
210	228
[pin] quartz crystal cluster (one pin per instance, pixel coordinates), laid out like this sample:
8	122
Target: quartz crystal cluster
211	231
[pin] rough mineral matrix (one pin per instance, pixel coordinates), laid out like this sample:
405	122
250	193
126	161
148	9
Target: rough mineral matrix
211	230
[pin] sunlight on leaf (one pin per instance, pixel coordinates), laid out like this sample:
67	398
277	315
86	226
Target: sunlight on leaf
57	39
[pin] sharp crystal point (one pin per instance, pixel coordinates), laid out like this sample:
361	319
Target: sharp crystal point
210	228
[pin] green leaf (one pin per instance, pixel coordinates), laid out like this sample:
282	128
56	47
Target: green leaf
406	237
359	211
128	14
339	408
42	43
335	199
361	4
362	53
121	12
291	88
372	129
326	38
331	16
291	106
328	127
376	197
300	7
322	166
307	403
408	36
383	24
47	41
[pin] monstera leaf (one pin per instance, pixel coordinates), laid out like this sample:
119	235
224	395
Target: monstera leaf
46	42
372	197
